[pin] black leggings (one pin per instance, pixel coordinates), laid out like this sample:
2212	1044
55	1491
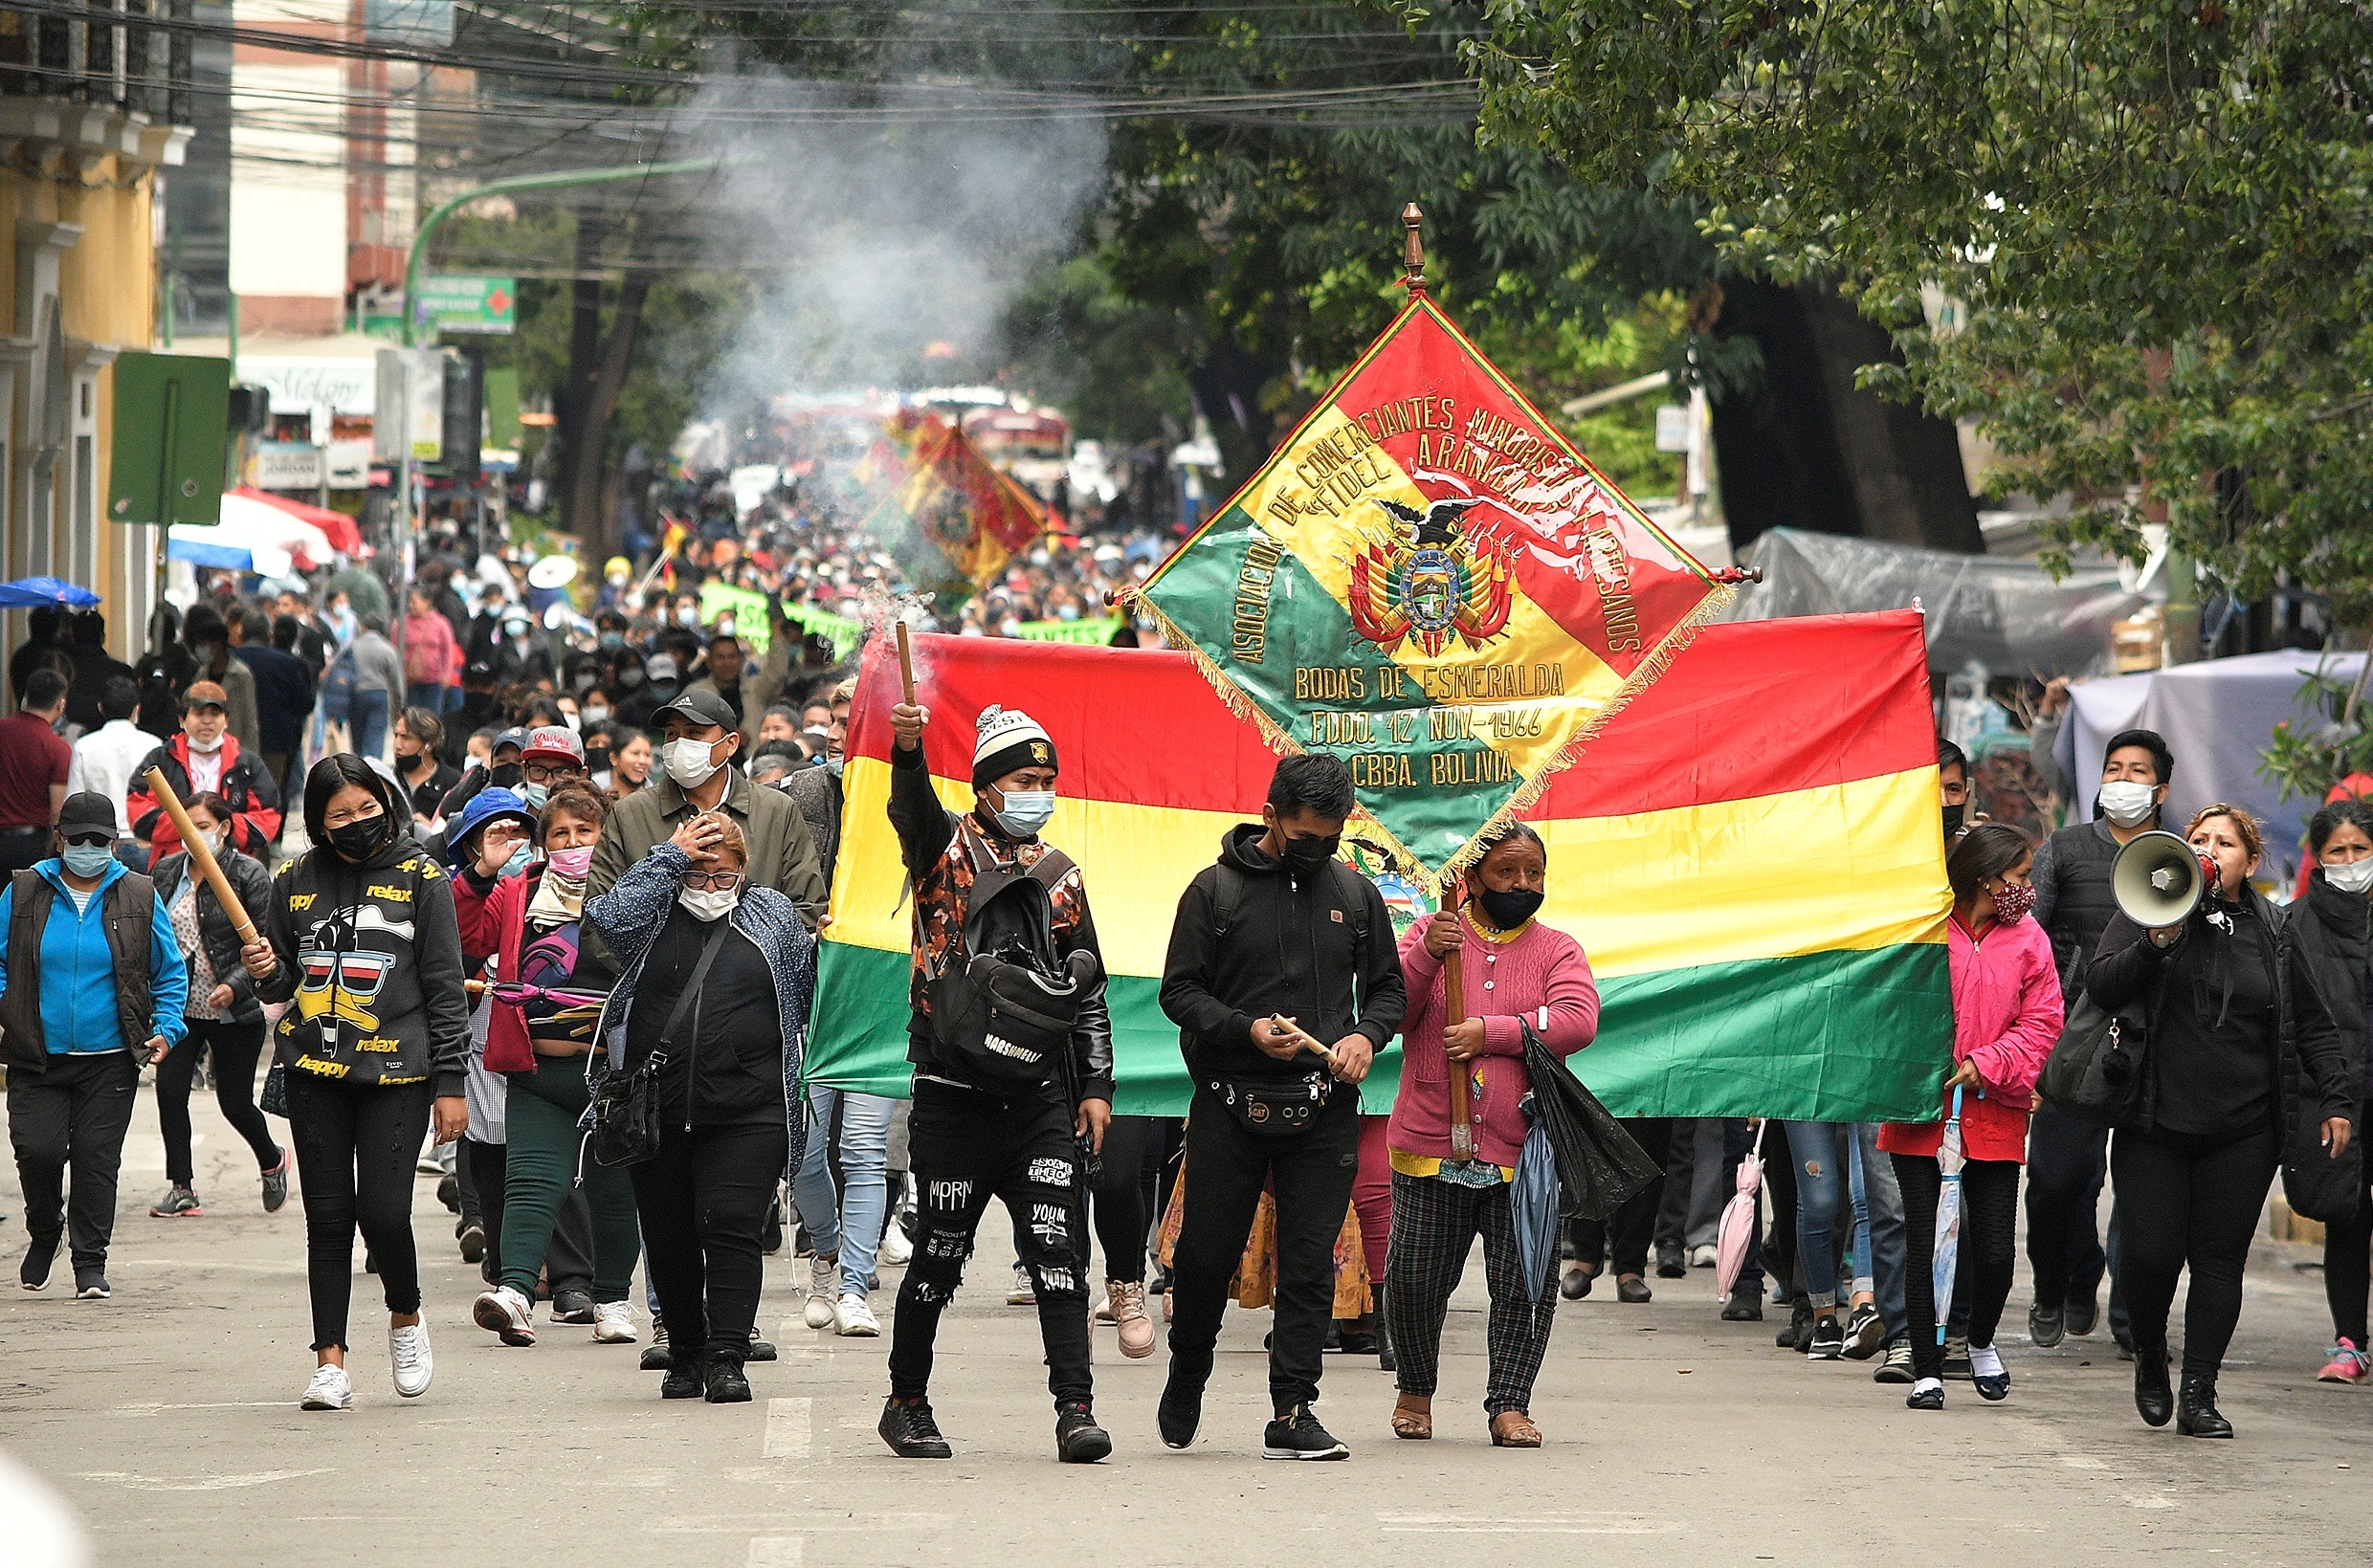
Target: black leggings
2347	1243
703	1200
2187	1199
235	1047
1990	1222
1135	1151
1635	1223
355	1148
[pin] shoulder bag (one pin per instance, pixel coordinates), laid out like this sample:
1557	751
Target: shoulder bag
625	1111
2094	1071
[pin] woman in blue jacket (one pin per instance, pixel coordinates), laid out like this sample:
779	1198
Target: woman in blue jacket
92	985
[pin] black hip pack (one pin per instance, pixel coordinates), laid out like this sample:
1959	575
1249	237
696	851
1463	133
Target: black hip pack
1276	1108
1004	1004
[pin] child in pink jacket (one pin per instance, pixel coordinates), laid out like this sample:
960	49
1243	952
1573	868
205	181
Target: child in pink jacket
2007	1012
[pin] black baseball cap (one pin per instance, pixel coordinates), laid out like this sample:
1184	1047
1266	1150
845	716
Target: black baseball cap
85	813
701	708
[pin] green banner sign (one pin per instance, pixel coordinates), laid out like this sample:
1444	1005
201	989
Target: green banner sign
748	608
1100	631
469	302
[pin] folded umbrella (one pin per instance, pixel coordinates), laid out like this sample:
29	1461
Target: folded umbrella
1740	1218
1948	1215
1598	1164
1532	1203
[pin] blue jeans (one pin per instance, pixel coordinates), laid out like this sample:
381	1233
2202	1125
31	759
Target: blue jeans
853	1231
367	721
1877	1206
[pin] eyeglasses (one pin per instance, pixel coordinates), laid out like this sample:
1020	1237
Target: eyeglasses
544	773
712	881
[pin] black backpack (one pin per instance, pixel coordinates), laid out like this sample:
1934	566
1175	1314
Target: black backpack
1005	1005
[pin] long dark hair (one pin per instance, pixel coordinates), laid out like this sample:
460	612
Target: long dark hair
1985	852
2326	822
330	775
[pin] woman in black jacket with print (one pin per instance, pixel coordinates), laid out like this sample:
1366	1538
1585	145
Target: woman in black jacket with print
360	935
2227	999
223	1017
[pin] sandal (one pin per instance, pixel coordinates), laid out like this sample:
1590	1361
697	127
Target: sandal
1515	1430
1412	1421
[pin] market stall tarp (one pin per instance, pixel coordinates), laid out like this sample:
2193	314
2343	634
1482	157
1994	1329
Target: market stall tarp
2008	615
1751	853
2217	717
342	532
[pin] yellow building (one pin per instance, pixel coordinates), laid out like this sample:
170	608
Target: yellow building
90	111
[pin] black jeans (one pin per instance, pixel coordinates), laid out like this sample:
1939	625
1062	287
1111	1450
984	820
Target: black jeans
1635	1223
235	1047
355	1148
2347	1243
482	1166
1311	1175
2185	1199
702	1200
2066	1164
966	1146
74	1113
1990	1222
1136	1149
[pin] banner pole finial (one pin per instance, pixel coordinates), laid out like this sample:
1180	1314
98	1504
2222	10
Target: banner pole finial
1413	250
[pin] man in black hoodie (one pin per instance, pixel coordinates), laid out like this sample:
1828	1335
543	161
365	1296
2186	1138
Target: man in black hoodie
1278	948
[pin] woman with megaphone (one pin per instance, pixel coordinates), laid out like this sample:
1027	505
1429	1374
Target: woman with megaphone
2229	1006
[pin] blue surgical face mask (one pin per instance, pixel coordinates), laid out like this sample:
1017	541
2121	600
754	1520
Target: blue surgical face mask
517	862
88	859
613	639
835	765
1026	811
537	794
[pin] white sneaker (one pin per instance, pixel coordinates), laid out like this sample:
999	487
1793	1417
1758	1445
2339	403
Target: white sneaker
822	1285
895	1252
1701	1257
407	1349
853	1319
502	1311
329	1390
613	1322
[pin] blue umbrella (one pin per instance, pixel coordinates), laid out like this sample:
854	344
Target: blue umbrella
31	592
1534	1203
1949	1164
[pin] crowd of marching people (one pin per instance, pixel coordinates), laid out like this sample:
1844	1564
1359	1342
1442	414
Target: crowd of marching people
555	910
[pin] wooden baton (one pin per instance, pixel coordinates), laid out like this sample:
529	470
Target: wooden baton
200	855
907	663
1454	1012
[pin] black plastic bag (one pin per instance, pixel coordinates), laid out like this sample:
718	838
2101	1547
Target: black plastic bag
1598	1164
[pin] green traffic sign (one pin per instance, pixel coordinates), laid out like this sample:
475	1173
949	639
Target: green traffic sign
468	302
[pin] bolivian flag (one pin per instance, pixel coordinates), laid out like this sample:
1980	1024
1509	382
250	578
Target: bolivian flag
1753	860
1428	581
975	516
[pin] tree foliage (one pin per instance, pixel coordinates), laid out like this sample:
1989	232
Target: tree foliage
2129	237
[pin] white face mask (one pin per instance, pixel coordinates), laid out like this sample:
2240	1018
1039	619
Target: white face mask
709	903
2127	802
688	762
2354	877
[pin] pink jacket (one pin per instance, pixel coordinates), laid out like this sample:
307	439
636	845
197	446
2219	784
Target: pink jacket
2006	1015
1543	975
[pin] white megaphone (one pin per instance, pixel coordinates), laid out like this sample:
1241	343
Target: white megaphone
2157	881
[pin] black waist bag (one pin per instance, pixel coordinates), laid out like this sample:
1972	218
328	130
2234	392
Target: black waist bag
1275	1109
1004	1006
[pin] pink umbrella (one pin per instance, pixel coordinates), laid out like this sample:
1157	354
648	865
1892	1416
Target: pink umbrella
1740	1218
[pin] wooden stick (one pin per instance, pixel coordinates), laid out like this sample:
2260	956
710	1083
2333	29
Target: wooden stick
1454	1012
200	855
907	663
1309	1042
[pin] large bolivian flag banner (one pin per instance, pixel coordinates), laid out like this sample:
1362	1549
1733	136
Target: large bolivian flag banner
1429	581
1753	860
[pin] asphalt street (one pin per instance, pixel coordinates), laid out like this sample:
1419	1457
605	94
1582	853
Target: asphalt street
165	1421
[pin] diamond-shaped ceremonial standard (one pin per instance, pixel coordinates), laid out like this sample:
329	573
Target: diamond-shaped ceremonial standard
1430	582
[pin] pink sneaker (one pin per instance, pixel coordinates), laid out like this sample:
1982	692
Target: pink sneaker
2349	1364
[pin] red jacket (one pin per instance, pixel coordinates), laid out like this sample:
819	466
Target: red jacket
1542	976
430	655
495	923
2006	1015
246	788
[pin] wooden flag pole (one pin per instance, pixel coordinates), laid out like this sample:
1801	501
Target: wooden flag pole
1454	1012
200	855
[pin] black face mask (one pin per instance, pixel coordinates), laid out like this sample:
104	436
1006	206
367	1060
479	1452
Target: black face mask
359	841
1952	819
1508	910
506	775
1308	854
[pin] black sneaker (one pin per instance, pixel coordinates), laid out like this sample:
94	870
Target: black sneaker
2047	1328
1298	1435
907	1426
686	1380
91	1283
276	1184
1798	1334
1077	1438
657	1356
1828	1340
449	1193
2083	1313
33	1273
1181	1410
1744	1306
726	1386
1865	1331
1895	1367
761	1350
1672	1262
473	1239
572	1306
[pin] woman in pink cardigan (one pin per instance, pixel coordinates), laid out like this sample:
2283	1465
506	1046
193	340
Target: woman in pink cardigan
1516	972
2006	1013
